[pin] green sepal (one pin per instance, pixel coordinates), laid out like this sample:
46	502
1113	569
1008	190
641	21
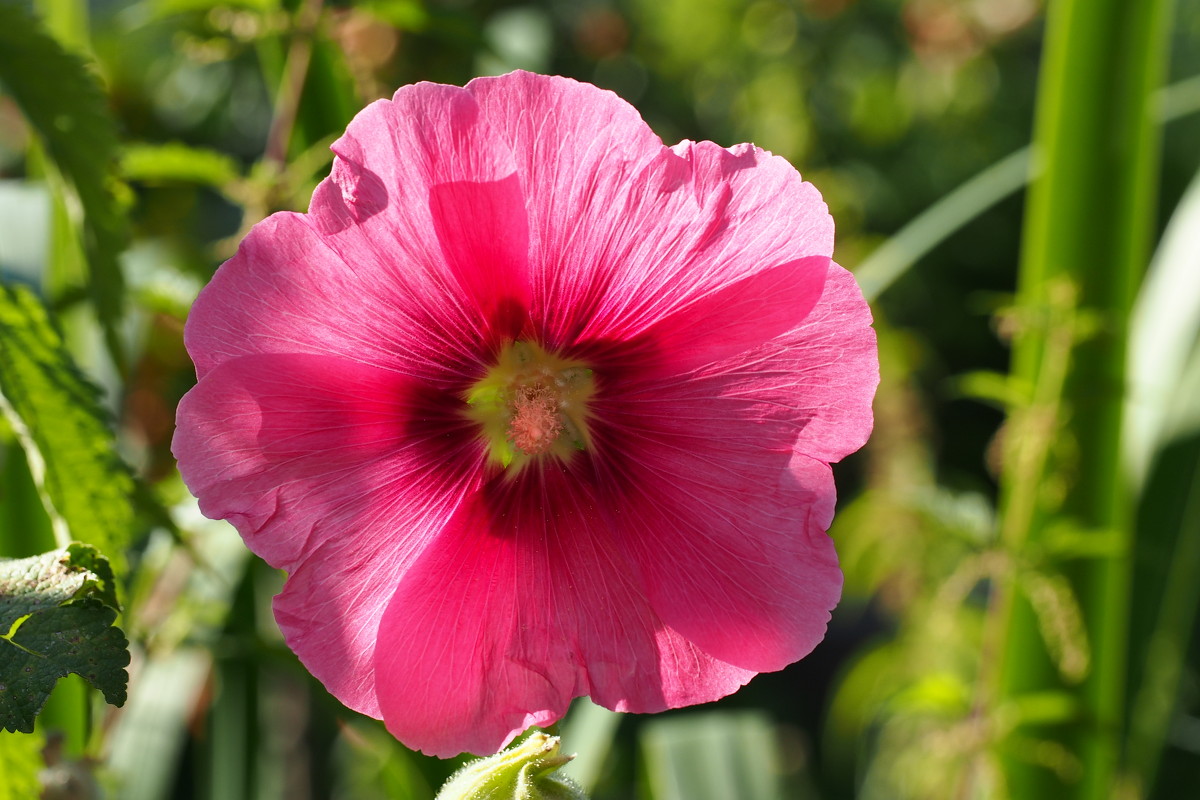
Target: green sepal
523	772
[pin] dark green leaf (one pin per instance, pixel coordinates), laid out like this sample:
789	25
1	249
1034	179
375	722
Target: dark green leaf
63	428
56	613
65	106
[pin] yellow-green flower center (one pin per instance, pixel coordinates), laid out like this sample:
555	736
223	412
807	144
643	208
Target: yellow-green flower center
531	403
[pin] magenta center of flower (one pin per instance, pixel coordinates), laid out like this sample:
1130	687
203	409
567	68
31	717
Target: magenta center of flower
531	404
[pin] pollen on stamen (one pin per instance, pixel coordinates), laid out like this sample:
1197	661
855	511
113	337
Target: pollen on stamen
536	423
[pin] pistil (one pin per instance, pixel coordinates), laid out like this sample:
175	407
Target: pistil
531	404
536	422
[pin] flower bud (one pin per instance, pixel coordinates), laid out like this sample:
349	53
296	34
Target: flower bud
523	772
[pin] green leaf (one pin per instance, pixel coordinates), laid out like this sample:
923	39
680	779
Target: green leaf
1164	330
32	585
20	760
66	107
934	225
1163	455
1044	708
25	528
1167	595
160	9
1064	541
1002	391
57	612
407	15
88	490
157	163
589	730
713	756
900	252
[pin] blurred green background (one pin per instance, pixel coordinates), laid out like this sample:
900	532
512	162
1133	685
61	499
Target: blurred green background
222	112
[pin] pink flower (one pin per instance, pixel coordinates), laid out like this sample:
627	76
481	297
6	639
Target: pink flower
530	406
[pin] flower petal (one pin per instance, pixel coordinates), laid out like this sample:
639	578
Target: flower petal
699	219
825	371
718	468
625	231
319	464
579	150
330	608
414	247
297	449
736	318
680	553
751	575
286	292
838	333
450	215
524	602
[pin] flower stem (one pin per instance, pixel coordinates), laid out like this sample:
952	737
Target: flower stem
1089	227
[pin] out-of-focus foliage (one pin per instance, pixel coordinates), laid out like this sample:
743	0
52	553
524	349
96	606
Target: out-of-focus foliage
721	754
20	757
1163	453
56	414
203	116
66	109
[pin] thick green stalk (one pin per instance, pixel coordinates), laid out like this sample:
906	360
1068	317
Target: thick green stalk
1089	227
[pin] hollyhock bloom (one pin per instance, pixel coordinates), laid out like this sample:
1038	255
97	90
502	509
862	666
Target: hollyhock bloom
530	406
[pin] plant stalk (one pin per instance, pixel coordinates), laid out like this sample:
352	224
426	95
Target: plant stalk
1089	226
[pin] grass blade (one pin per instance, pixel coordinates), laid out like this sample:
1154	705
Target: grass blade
1163	452
588	732
714	756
